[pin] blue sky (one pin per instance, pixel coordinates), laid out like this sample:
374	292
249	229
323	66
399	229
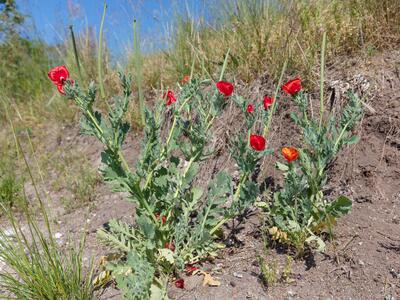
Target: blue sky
51	19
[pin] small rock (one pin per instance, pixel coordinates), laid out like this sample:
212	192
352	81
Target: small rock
238	275
290	293
232	283
361	263
394	273
58	235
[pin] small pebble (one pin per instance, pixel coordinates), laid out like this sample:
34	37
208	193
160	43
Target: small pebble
394	273
238	275
58	235
291	293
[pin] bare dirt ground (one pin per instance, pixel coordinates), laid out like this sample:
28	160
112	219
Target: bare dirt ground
363	262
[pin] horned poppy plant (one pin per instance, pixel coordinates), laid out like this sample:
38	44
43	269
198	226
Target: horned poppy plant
292	87
250	108
59	75
225	88
180	283
170	97
257	142
268	102
290	153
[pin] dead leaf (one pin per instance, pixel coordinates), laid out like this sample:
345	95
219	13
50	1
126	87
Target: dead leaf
209	280
102	279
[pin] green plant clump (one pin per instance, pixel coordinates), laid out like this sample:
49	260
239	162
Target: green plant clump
177	222
301	211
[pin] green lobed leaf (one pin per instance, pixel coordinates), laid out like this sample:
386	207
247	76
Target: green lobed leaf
339	207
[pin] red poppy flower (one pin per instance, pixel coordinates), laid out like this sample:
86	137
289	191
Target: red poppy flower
189	268
185	79
292	87
59	75
169	95
170	246
180	283
163	218
257	142
225	88
290	153
268	102
250	108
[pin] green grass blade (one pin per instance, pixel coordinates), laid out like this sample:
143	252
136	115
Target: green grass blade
100	54
224	65
139	74
322	79
272	110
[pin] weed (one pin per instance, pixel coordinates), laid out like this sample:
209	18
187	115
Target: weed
34	265
287	270
11	183
269	271
36	268
10	190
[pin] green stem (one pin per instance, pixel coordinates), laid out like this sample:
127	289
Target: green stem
164	152
89	113
221	76
171	131
75	52
219	224
100	54
271	112
123	161
210	123
120	155
321	88
340	136
138	65
144	203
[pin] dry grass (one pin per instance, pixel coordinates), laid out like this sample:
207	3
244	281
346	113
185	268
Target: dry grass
263	34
